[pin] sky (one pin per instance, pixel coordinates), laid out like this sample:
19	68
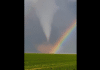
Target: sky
44	22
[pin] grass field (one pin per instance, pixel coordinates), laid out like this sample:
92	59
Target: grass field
36	61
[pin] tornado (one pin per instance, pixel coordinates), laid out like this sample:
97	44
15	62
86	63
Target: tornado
45	10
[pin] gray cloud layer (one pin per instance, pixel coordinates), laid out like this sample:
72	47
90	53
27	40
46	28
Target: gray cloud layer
62	19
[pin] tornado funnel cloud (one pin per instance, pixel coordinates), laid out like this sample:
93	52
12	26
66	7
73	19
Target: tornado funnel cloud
45	10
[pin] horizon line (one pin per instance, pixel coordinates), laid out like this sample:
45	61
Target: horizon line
52	53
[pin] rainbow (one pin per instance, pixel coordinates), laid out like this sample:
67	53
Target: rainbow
63	38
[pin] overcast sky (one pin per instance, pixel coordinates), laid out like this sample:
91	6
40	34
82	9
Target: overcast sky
62	19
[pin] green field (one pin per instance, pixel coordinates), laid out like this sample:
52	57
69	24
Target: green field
36	61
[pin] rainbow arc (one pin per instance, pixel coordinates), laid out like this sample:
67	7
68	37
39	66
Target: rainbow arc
63	38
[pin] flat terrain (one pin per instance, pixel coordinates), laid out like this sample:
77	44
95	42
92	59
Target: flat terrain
36	61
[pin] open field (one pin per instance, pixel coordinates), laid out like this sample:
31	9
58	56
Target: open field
36	61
